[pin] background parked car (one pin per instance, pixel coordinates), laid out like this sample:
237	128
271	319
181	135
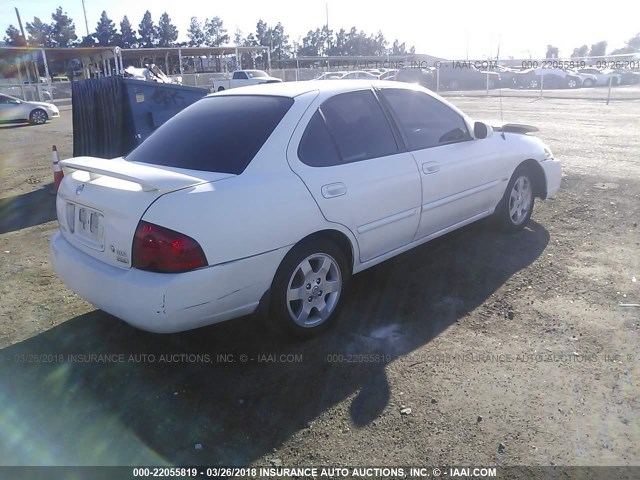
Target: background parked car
602	77
628	77
506	75
331	76
243	78
359	74
387	74
588	79
421	76
14	110
464	76
553	78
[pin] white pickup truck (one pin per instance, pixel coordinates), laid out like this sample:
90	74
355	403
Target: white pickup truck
242	78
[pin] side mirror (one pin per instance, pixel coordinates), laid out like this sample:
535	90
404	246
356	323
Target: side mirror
482	130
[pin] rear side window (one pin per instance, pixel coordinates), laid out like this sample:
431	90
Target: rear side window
317	148
215	134
358	126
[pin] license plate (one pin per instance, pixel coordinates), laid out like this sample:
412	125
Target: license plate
87	225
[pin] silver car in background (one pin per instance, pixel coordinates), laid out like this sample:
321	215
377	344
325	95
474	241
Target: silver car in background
14	110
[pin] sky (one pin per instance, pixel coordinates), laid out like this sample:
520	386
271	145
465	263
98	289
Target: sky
454	30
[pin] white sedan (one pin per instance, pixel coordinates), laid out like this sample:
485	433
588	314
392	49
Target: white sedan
274	195
15	110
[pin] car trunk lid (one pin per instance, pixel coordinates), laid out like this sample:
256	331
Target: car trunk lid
100	202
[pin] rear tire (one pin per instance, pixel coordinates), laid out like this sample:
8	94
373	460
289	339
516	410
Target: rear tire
307	290
38	117
220	89
515	209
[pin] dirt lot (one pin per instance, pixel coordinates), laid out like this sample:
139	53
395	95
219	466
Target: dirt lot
508	350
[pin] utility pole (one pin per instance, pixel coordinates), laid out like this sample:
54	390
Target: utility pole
326	6
86	24
20	23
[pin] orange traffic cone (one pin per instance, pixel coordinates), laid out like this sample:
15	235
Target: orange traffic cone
58	174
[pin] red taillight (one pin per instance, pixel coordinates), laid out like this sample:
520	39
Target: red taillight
158	249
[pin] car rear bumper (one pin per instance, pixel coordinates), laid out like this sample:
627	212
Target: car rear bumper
166	303
553	175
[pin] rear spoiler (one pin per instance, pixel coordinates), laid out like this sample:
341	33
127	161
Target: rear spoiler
516	128
148	177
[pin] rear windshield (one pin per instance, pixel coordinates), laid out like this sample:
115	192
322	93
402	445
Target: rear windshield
215	134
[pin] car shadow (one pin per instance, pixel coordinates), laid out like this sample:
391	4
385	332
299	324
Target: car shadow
95	391
27	210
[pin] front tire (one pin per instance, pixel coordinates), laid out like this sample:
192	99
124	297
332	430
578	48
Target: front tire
307	290
38	117
515	209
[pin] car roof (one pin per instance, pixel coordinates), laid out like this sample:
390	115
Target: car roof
294	89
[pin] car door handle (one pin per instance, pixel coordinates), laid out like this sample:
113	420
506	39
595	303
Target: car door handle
334	190
430	167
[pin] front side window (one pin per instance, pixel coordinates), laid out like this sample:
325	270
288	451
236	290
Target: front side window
215	134
425	122
8	100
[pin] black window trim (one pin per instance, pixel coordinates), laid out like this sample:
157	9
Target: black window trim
401	142
331	136
397	121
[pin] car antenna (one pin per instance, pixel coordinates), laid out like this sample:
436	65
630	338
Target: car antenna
500	96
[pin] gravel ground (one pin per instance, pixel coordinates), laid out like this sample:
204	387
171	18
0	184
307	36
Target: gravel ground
476	349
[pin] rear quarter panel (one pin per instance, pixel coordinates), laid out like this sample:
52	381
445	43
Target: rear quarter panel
266	207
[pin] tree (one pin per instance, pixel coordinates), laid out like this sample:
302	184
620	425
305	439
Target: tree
63	32
147	31
634	43
338	47
311	44
88	41
398	48
598	49
281	46
552	52
195	33
128	37
582	51
14	38
105	31
318	42
166	32
215	33
39	33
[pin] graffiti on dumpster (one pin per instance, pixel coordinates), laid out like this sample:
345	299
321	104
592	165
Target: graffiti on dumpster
167	97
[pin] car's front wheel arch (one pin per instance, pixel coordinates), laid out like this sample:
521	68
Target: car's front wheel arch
516	206
538	177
